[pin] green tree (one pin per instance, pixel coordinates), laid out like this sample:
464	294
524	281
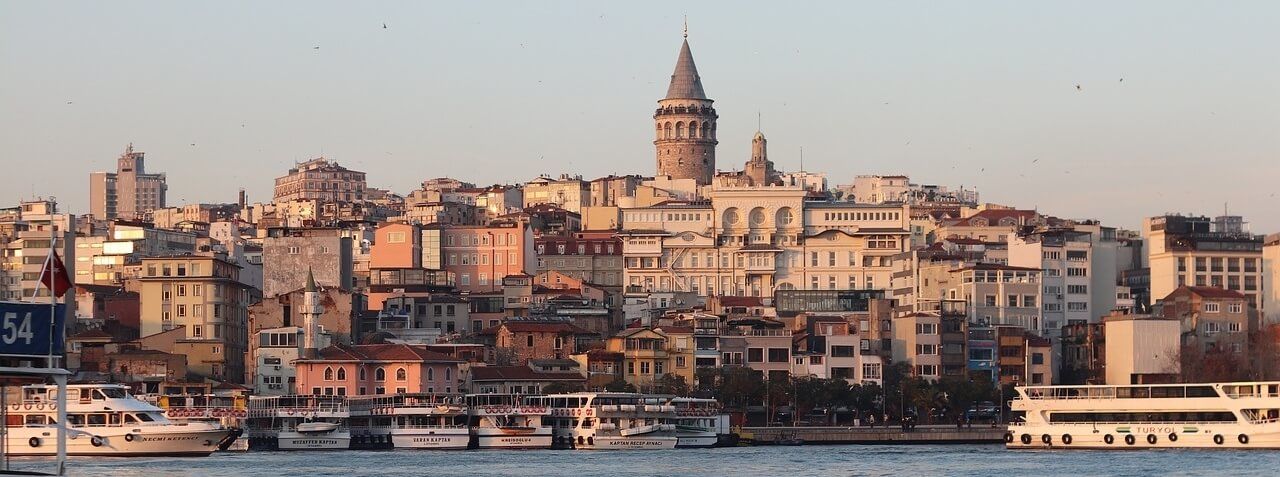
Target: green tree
619	385
671	384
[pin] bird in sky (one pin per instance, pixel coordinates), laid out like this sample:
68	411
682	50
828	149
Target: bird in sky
1121	80
1077	87
384	26
315	48
1033	161
68	102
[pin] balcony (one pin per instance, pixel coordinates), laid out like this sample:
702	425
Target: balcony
410	278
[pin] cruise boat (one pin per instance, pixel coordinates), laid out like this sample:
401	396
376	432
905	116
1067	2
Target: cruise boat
103	420
298	422
1212	415
610	420
698	421
416	420
228	411
506	421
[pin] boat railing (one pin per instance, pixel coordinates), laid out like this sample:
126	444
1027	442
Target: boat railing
430	426
1126	423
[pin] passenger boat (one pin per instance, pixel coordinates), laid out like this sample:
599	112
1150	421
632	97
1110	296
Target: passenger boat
416	420
506	421
103	420
698	421
229	411
1213	415
610	420
298	422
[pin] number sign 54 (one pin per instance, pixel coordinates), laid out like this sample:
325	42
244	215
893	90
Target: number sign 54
15	329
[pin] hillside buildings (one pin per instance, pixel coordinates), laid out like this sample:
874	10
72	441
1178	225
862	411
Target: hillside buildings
130	192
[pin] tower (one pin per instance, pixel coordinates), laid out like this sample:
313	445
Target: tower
685	125
759	170
311	311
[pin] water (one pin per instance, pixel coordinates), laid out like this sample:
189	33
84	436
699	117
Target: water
879	460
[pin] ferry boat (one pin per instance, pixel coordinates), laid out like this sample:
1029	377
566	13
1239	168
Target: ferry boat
298	422
102	420
506	421
228	411
416	420
610	420
698	422
1211	415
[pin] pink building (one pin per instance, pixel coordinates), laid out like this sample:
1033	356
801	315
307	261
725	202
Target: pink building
396	246
480	256
377	369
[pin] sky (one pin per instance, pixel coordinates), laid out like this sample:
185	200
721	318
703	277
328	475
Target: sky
1177	110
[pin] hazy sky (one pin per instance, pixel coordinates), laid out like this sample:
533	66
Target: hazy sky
226	95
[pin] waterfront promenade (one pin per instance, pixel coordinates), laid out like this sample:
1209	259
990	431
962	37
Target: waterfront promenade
938	434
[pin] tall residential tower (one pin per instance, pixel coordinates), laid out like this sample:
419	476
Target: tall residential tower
129	193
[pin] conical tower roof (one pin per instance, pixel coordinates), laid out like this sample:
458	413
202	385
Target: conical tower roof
311	281
685	82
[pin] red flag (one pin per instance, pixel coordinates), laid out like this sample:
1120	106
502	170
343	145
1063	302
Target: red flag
54	276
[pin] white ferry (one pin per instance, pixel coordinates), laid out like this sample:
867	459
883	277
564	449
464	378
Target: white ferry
698	421
610	420
1219	415
103	420
417	421
506	421
298	422
229	411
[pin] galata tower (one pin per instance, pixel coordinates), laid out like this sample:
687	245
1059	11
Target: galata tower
685	125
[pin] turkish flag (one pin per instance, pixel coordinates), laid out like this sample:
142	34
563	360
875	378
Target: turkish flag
54	275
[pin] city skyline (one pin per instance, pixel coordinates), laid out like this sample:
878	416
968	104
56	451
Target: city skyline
235	101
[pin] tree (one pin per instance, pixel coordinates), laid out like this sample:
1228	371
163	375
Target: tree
504	356
807	393
738	387
619	385
671	384
561	388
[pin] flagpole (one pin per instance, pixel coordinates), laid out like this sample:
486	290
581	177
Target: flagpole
53	299
60	380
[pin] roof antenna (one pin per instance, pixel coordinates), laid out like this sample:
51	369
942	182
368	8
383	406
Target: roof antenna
758	121
801	158
686	26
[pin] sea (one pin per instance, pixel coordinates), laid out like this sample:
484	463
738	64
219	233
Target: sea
808	460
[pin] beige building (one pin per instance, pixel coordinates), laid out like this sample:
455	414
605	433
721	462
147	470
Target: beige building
130	192
322	180
567	192
1200	252
1141	349
204	298
749	241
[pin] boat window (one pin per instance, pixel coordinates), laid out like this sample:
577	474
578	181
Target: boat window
75	420
114	418
13	420
129	419
35	420
110	393
1121	417
144	417
97	419
1201	391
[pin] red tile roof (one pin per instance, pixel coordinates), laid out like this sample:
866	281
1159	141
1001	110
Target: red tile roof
538	327
1213	292
741	301
382	352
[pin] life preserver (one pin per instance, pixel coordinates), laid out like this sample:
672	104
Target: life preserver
1129	439
1173	437
96	441
1026	439
1243	438
1109	439
34	442
290	411
208	442
128	437
1046	439
1217	439
591	441
1008	437
17	407
27	406
1151	439
1066	438
39	406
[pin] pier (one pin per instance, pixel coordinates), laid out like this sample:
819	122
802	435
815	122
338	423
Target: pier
876	435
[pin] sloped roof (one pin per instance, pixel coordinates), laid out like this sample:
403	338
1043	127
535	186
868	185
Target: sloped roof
685	82
382	352
1214	292
538	327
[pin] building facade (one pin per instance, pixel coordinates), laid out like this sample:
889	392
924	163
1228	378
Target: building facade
130	192
320	179
1204	252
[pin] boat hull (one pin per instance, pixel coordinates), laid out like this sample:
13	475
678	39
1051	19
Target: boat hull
487	438
441	439
697	441
628	443
116	442
1144	436
340	440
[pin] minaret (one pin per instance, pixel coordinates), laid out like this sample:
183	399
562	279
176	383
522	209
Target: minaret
759	170
311	311
685	124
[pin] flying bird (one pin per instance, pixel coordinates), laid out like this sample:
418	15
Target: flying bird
384	26
1121	80
1033	161
315	48
1077	87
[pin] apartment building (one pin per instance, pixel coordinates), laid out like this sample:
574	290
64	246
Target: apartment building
1202	252
130	192
322	180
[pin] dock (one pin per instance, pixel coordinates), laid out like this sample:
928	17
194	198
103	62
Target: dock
877	435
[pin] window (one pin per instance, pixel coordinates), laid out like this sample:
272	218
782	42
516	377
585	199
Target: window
342	374
926	349
779	355
990	300
1233	327
1077	306
1029	301
1235	308
755	355
182	290
1078	289
328	374
1012	300
1211	308
529	341
926	329
870	370
926	370
1077	272
402	375
380	374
